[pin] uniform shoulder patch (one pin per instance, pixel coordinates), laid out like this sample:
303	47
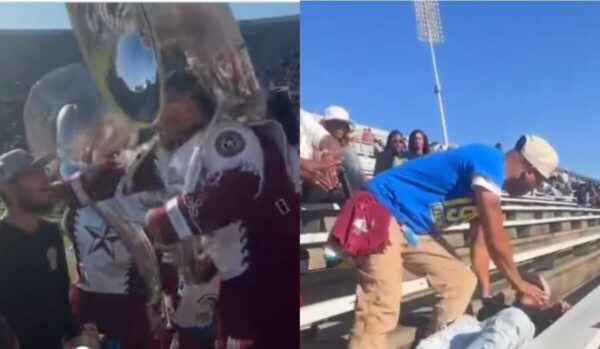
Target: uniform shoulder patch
230	143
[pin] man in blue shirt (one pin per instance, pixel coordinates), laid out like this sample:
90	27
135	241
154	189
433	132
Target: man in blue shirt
424	197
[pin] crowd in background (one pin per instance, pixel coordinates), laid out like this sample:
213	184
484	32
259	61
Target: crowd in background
328	141
396	149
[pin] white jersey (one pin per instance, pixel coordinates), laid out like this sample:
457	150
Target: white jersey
104	263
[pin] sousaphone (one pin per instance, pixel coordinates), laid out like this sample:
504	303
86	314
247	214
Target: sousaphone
132	48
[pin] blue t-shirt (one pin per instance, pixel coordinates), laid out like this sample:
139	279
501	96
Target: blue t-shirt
433	192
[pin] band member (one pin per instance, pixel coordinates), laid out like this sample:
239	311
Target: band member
110	292
156	168
250	222
246	211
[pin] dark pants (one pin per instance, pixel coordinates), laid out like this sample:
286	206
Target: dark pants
118	316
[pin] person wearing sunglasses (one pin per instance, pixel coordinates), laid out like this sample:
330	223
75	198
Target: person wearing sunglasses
394	153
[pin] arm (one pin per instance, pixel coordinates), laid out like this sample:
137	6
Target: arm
216	205
96	183
480	258
318	137
331	146
232	175
498	244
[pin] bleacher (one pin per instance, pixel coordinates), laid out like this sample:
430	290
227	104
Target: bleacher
550	235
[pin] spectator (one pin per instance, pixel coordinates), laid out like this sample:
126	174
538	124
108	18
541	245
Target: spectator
337	121
418	144
367	137
393	154
501	326
34	296
320	156
408	205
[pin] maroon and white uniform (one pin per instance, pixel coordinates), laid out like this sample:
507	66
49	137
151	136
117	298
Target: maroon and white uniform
109	282
246	211
110	292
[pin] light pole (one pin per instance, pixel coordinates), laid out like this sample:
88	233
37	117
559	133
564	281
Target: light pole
429	26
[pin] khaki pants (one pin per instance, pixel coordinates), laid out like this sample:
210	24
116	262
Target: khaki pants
379	290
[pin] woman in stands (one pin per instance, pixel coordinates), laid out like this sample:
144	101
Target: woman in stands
393	154
418	144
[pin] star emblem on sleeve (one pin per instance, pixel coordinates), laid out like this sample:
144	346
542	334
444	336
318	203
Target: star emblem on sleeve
103	239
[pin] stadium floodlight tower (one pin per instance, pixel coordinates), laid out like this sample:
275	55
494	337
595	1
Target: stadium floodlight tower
429	27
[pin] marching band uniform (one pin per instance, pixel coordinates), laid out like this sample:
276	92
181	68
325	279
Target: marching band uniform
245	210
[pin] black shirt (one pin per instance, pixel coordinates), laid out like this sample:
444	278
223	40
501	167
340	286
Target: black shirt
34	286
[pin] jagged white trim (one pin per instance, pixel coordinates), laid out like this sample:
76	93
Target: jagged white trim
177	220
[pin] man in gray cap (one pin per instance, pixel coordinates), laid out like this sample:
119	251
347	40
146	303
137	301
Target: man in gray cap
34	297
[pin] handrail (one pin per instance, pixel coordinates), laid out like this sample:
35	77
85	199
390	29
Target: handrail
321	237
323	310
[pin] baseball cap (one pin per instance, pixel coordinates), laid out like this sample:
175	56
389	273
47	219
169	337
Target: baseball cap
337	113
17	161
539	153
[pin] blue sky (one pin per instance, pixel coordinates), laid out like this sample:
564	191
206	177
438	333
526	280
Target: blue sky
507	68
54	15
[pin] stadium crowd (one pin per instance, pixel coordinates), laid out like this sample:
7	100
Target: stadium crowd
395	148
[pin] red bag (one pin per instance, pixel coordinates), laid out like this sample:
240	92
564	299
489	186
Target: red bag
362	226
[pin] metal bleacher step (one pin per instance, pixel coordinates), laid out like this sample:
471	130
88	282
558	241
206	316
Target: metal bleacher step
569	274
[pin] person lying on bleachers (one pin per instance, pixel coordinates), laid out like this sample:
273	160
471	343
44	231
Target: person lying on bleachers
500	326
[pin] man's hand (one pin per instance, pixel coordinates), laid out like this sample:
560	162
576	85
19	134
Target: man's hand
564	306
534	292
321	173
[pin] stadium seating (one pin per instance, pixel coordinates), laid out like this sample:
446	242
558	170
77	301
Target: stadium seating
550	235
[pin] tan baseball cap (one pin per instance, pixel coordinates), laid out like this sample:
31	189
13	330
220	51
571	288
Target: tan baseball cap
539	153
